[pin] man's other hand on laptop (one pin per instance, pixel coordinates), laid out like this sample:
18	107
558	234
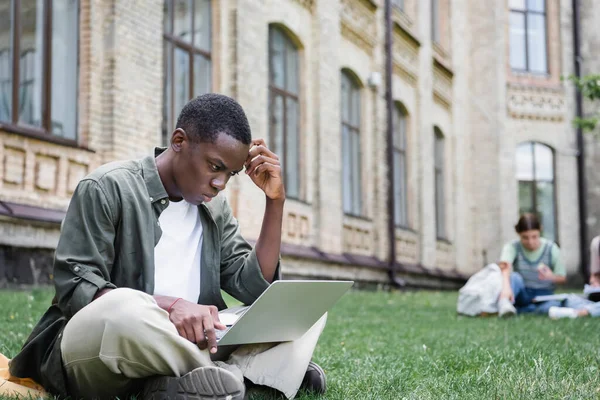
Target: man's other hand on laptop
197	323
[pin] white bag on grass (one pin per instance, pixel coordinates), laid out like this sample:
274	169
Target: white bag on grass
480	293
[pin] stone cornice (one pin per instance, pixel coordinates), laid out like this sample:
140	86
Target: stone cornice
308	4
358	23
405	49
535	102
442	84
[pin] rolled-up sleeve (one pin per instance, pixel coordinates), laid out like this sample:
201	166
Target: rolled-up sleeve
241	275
85	252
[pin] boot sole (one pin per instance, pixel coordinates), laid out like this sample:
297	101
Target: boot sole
207	383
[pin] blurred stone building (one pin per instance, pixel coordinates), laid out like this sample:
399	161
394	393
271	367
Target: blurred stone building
481	120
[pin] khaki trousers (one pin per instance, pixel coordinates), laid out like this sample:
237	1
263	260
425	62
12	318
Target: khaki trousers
123	337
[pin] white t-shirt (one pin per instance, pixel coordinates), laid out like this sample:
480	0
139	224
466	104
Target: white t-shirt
177	253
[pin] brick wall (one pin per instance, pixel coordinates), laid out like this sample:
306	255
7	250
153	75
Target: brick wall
470	96
590	43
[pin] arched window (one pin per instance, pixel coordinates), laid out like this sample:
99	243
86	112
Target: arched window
351	165
400	167
284	110
187	52
535	175
440	203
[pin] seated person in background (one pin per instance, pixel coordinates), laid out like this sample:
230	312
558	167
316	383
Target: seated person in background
576	306
595	262
531	266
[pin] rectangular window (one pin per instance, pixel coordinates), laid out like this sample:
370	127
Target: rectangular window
400	169
528	42
188	64
64	45
435	21
39	67
398	4
351	154
440	200
284	108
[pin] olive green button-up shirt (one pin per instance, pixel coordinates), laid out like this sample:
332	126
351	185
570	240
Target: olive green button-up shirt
107	240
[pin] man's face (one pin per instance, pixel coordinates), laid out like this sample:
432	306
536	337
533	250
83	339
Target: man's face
530	239
202	170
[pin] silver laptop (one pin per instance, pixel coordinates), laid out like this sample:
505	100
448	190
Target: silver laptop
284	312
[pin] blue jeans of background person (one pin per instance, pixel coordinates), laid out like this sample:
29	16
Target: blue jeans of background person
524	295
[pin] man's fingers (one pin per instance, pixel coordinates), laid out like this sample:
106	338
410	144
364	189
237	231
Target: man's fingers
258	150
216	321
181	331
199	336
187	330
259	142
274	168
211	336
258	161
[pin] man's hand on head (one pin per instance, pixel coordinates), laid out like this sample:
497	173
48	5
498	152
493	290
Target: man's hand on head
264	168
196	323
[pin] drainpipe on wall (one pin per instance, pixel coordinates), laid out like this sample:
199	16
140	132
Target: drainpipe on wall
581	182
389	102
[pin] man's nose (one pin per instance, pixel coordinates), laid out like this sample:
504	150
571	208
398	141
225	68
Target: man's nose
219	183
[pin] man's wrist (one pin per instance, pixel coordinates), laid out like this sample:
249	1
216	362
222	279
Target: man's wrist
275	202
101	293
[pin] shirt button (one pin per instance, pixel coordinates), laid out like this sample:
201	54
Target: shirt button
151	199
158	223
76	269
163	201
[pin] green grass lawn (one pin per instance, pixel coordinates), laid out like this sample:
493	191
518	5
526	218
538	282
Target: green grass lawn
414	346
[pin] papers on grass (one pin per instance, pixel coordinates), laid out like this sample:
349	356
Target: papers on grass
560	297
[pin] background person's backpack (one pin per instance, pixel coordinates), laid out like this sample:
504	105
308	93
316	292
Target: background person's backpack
480	293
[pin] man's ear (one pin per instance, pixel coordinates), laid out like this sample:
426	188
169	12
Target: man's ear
178	137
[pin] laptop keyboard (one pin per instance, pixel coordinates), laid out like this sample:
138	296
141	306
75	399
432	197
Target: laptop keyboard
239	312
222	333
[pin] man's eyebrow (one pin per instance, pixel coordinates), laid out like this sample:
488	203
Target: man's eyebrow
219	163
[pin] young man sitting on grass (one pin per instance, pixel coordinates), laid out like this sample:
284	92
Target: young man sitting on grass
144	251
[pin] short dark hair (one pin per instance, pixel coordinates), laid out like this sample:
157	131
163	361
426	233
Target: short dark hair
528	222
204	117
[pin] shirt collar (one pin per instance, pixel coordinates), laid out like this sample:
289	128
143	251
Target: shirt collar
155	187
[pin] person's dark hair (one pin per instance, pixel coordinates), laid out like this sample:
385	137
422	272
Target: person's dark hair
528	222
204	117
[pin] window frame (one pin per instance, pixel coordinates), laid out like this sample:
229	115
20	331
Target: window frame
400	112
43	132
439	172
275	90
533	184
398	4
173	42
525	12
435	22
354	131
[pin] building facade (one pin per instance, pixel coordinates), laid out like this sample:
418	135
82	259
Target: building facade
481	121
591	65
